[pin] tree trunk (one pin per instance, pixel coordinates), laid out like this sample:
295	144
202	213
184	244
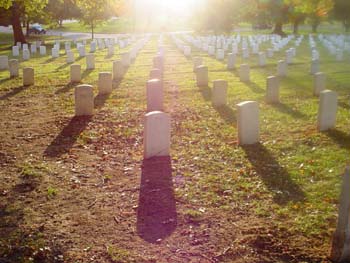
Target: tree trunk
27	28
60	22
295	27
278	29
346	26
314	27
16	24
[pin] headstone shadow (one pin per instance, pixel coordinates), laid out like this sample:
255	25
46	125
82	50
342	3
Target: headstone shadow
65	88
254	87
156	214
49	60
284	108
100	100
227	114
13	92
275	177
205	92
68	136
339	137
4	80
86	73
64	66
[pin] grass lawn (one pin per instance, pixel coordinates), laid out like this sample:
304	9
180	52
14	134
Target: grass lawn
78	189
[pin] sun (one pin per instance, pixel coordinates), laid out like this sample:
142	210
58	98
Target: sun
164	14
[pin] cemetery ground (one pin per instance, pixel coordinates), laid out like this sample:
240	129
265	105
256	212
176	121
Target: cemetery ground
71	186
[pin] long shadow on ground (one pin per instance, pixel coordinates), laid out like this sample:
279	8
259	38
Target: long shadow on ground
13	92
227	114
284	108
339	137
275	177
156	214
68	136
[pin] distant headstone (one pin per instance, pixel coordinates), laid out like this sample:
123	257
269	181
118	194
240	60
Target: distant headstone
84	100
282	68
42	50
15	51
90	61
118	70
319	83
248	122
54	53
70	56
327	110
155	95
104	82
187	51
197	61
272	89
26	54
156	137
4	62
28	76
33	48
315	66
14	68
81	50
231	61
75	73
244	73
262	59
158	62
202	76
219	96
126	59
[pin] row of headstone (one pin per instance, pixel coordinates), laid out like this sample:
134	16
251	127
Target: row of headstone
156	122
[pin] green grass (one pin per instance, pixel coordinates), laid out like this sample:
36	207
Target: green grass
291	180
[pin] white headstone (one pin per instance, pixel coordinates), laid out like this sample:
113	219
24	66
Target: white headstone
197	61
158	62
81	50
26	54
55	53
110	50
319	83
220	54
28	76
187	51
155	95
14	68
202	76
244	73
4	62
126	59
90	61
70	56
15	51
315	66
84	100
104	82
282	68
327	111
262	59
231	61
33	48
219	95
118	70
156	137
272	89
75	73
248	122
42	50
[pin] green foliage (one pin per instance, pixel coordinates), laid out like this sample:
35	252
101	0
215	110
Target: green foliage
119	255
342	12
51	192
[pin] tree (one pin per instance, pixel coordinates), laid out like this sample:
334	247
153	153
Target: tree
279	10
93	12
342	12
60	10
14	10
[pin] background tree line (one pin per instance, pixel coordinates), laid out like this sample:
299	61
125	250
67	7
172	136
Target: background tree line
215	15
